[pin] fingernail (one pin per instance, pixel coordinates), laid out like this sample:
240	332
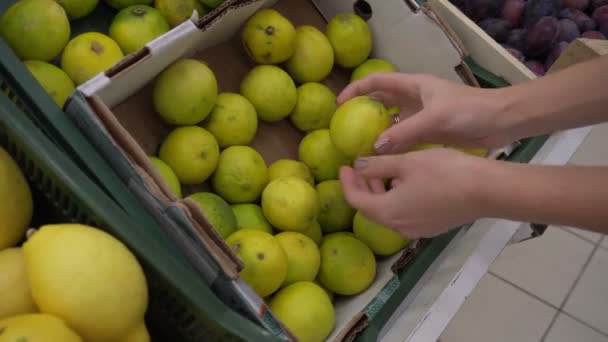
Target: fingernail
382	145
360	163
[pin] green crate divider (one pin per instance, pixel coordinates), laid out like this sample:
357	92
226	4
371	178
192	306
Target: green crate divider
181	306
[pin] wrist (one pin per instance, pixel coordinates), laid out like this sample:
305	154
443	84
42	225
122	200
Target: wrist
484	185
511	115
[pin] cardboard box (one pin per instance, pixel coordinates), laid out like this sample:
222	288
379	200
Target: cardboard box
115	111
579	51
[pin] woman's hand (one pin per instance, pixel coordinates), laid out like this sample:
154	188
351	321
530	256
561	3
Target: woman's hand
434	110
432	190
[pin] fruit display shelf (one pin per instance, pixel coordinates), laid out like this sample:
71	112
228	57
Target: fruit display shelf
111	109
181	306
109	164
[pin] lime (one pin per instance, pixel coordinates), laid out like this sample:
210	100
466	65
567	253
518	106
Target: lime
35	29
52	79
348	266
251	216
133	27
191	152
264	258
290	167
350	38
89	54
178	11
217	211
320	154
356	125
306	310
167	175
336	214
241	175
290	203
271	91
303	257
313	57
370	66
315	106
380	239
185	92
268	37
233	120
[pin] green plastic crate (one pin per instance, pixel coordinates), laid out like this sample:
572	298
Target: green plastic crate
182	307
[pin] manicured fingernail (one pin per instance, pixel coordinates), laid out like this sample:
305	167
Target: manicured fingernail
360	163
383	144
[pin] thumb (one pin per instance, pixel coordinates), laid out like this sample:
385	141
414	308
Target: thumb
381	167
410	131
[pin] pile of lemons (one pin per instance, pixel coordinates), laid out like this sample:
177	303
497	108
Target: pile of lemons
66	282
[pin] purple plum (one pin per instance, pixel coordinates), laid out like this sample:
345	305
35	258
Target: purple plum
593	35
596	4
579	17
536	9
556	51
542	36
600	15
517	39
513	10
578	4
568	31
496	28
479	10
515	53
536	67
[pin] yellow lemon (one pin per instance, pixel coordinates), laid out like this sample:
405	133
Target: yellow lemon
15	294
39	327
17	205
96	286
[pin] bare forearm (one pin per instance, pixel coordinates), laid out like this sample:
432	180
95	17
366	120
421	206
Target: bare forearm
562	195
573	97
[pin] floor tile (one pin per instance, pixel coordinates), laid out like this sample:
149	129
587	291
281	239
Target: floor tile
589	301
566	329
497	312
546	266
588	235
593	150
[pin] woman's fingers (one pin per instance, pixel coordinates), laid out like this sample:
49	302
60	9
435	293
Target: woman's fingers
405	133
391	83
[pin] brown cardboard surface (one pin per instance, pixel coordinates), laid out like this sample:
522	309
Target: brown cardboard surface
580	50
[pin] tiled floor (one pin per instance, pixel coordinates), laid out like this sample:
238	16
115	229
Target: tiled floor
552	289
